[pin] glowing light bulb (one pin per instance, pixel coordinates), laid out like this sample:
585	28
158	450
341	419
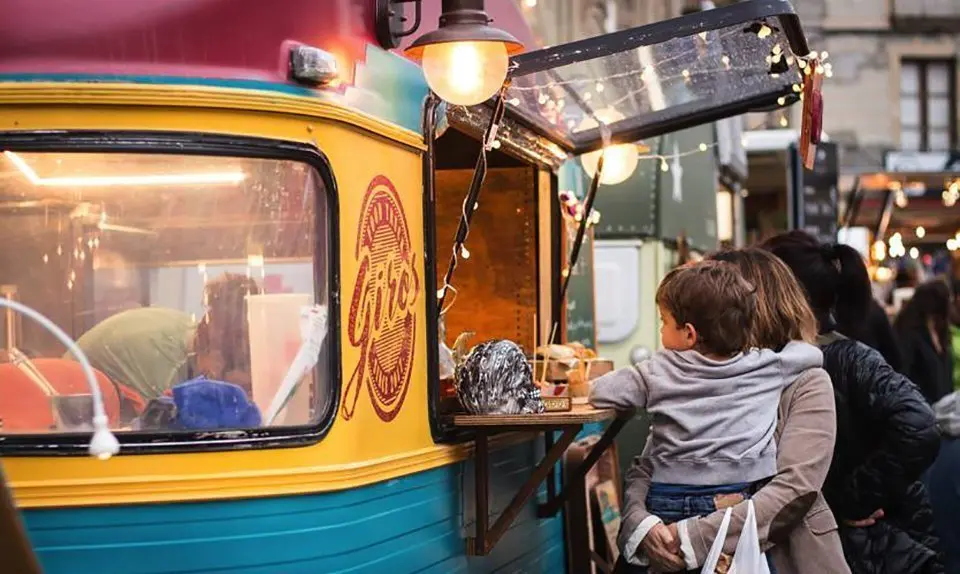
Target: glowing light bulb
764	31
465	73
879	250
464	253
664	166
914	252
703	147
921	232
619	161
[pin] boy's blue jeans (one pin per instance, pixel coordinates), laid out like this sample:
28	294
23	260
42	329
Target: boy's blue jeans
676	502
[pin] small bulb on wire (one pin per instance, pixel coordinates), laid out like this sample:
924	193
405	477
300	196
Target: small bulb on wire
514	102
686	74
464	252
726	60
703	147
764	31
783	121
440	292
564	273
664	166
599	87
782	101
46	258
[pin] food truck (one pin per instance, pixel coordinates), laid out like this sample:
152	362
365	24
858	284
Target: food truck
252	222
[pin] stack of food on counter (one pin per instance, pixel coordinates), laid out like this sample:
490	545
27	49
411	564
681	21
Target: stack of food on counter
564	372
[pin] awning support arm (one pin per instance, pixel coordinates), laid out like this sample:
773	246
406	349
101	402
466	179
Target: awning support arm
575	251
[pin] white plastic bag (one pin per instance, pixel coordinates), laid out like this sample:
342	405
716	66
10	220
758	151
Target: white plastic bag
710	564
748	559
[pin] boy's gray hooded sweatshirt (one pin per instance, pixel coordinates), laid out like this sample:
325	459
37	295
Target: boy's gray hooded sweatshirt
713	421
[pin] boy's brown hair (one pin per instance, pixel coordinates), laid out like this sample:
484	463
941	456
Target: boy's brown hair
783	314
715	298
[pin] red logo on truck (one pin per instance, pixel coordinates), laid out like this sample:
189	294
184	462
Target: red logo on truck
383	321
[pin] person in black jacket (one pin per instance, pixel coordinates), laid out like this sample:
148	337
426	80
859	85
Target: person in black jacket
886	431
923	326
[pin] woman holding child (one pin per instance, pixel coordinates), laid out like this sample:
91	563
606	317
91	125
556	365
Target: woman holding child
790	510
886	438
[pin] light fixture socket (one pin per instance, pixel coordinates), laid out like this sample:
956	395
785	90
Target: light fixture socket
464	21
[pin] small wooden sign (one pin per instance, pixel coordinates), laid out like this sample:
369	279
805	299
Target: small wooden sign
812	124
556	398
557	404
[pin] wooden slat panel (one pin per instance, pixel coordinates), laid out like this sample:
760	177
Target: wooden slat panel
497	286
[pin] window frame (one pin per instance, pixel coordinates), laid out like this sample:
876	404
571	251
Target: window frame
922	65
200	144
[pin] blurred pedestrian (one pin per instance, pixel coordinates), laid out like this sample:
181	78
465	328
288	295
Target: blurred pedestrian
923	329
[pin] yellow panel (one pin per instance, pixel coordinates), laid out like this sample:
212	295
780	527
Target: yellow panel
382	430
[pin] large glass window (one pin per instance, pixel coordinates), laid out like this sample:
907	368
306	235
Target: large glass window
928	100
196	285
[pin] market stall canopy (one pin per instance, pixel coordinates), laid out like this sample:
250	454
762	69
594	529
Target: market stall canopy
916	189
661	77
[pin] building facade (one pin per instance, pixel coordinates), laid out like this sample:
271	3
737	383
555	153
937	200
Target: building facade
895	81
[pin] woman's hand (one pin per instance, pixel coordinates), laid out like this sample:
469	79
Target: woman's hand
662	547
868	521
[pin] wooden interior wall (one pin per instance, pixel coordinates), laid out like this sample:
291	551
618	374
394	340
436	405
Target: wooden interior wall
497	285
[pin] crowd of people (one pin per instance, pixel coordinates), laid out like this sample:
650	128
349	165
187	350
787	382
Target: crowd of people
783	389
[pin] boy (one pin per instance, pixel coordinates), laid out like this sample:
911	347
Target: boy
713	401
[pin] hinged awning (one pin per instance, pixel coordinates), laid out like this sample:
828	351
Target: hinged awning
661	77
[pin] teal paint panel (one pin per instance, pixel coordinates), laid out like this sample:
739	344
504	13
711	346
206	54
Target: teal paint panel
411	524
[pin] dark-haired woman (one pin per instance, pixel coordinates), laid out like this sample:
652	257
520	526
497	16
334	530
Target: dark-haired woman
923	327
886	431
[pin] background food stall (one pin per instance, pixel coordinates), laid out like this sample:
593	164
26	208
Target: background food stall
143	180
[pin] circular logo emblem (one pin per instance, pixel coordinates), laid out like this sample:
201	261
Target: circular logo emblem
383	322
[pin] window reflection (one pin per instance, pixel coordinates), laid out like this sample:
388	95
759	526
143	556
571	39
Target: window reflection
183	278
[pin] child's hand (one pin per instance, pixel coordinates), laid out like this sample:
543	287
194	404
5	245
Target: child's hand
662	547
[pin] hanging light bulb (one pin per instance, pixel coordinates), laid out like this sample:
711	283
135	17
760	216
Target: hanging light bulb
465	59
619	161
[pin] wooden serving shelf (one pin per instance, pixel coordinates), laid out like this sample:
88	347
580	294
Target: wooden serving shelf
569	424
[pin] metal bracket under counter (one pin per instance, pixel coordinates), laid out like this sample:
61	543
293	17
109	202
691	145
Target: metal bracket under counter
569	424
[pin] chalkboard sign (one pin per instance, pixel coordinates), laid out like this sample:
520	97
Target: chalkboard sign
581	302
815	196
